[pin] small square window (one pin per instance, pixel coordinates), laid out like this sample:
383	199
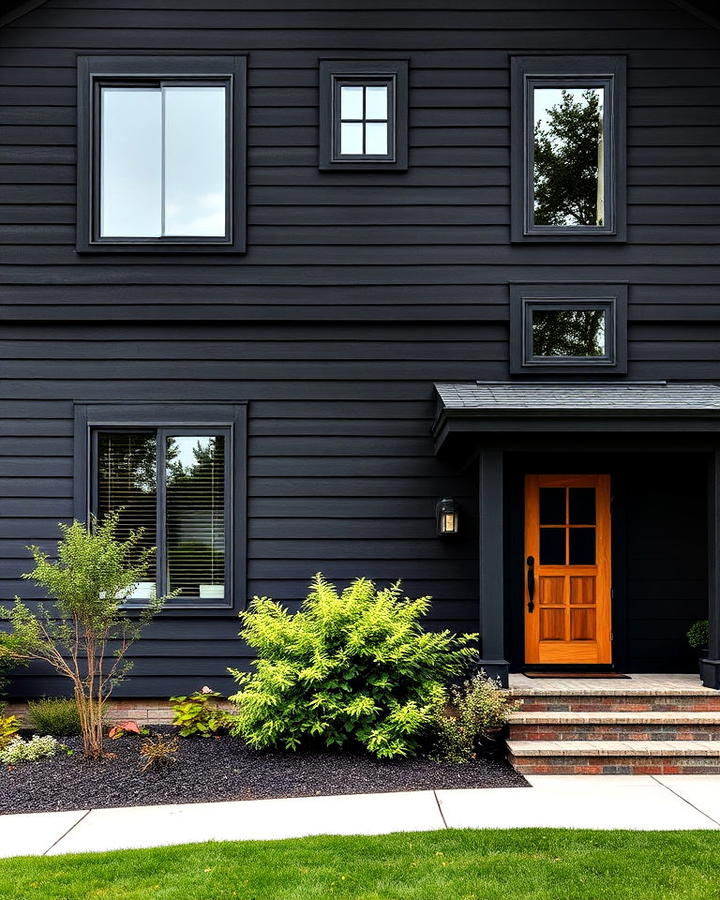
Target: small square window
363	115
158	153
568	148
568	328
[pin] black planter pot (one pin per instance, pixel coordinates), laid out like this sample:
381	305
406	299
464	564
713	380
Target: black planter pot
701	655
491	742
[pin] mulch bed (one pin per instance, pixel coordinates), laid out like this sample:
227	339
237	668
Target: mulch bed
224	768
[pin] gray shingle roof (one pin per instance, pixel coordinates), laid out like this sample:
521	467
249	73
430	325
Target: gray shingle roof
523	398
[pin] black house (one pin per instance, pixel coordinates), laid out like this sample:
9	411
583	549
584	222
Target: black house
398	288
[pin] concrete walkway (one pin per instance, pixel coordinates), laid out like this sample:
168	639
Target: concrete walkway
658	802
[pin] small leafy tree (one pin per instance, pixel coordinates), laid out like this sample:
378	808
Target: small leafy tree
355	667
88	633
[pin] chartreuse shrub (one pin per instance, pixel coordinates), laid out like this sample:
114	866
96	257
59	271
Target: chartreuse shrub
9	728
57	716
355	667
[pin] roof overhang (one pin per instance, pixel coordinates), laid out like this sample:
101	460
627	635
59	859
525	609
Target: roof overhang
477	408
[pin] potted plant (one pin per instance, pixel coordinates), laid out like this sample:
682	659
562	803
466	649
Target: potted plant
698	638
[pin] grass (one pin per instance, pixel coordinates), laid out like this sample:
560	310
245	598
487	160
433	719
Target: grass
524	864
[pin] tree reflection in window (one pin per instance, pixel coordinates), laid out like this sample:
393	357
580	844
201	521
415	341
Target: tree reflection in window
195	515
572	333
568	175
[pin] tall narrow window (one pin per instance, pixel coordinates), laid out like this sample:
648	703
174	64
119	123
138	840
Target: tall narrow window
161	153
363	115
568	148
173	486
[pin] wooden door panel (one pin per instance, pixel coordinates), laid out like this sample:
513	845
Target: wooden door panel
567	550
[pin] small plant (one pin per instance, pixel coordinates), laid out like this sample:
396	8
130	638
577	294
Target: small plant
471	711
9	728
38	747
197	713
87	635
122	729
350	668
57	716
158	751
698	635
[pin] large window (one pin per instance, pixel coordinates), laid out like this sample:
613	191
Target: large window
159	153
568	328
178	483
363	115
568	177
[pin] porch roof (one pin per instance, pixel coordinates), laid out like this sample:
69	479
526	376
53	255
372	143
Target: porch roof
574	406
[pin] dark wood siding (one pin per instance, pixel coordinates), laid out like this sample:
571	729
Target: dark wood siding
358	290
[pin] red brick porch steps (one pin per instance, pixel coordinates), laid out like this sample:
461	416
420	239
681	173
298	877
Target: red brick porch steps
651	725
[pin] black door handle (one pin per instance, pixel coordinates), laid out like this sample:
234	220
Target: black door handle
531	583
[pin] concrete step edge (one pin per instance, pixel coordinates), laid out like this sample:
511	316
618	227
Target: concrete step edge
552	749
616	717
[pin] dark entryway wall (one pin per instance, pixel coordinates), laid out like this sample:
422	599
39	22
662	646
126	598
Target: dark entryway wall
659	552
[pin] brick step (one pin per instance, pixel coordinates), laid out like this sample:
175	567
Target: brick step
687	701
609	725
615	757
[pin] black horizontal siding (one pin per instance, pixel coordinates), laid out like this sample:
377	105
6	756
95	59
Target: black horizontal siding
357	291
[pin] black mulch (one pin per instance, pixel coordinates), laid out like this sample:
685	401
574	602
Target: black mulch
224	769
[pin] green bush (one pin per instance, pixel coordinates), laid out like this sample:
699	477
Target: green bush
698	635
467	713
350	668
57	716
38	747
197	713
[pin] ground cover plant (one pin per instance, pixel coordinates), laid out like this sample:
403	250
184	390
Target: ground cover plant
355	667
87	633
525	864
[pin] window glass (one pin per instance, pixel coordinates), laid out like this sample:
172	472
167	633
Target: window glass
364	120
195	168
190	551
163	167
569	156
127	481
576	333
195	515
131	162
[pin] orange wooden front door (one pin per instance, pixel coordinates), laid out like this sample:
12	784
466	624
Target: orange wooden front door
567	569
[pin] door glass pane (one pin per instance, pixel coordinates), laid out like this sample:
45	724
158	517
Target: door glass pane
569	146
130	162
582	506
126	481
351	102
195	166
582	546
552	546
575	333
376	105
376	138
552	506
351	138
195	515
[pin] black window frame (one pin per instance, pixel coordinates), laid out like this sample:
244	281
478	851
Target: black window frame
91	419
95	72
528	72
526	298
333	75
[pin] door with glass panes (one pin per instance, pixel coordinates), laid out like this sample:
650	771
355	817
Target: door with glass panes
567	569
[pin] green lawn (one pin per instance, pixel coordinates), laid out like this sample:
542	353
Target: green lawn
444	865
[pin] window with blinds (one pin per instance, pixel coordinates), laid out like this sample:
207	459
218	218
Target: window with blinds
174	487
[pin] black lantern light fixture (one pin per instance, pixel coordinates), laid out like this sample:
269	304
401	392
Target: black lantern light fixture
446	516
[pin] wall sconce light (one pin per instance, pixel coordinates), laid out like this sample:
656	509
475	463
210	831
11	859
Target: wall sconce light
446	517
